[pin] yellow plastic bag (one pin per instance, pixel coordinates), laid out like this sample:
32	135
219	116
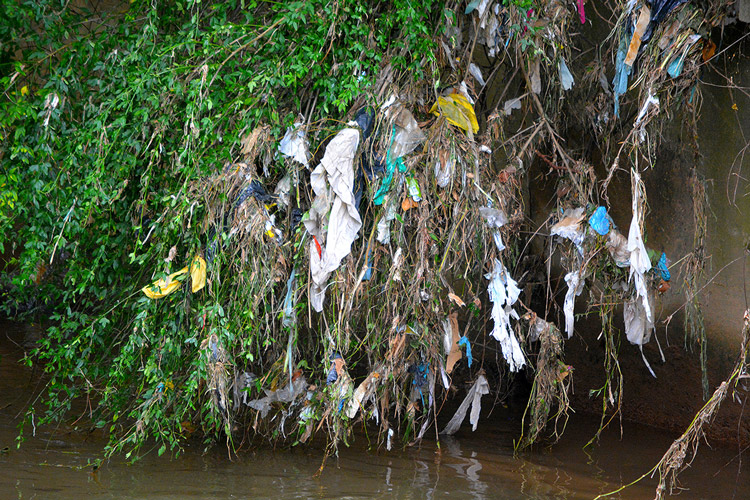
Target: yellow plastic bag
457	110
163	287
198	273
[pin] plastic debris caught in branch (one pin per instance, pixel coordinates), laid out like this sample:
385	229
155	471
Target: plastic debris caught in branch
638	326
458	111
566	77
575	287
473	399
405	137
600	221
163	287
639	261
294	144
450	341
465	343
570	226
504	292
336	170
640	28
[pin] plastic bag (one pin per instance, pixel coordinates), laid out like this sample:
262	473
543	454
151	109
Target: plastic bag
163	287
566	78
458	111
600	221
474	399
294	144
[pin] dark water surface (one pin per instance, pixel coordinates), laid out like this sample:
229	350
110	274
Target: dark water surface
53	464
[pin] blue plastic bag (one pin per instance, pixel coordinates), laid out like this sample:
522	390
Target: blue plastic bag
600	221
465	342
661	266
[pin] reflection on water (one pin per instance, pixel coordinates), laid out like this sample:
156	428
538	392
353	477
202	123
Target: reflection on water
469	465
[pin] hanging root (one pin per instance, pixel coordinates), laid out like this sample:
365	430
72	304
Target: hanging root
695	330
551	383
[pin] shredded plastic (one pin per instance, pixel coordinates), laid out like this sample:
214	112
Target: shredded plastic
504	292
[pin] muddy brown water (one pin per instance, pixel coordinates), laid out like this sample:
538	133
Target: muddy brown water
55	462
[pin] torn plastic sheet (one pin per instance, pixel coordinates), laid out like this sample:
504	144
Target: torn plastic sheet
286	395
294	144
675	68
600	221
421	374
476	73
622	72
510	105
639	261
494	217
660	10
242	383
288	316
474	4
651	100
450	341
163	287
474	399
581	11
458	111
640	29
535	76
663	268
536	326
445	166
498	239
406	133
398	260
282	190
504	292
384	224
638	325
566	78
570	226
337	366
575	287
336	170
465	343
617	246
743	11
362	392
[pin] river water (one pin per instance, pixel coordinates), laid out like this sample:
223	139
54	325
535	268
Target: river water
55	463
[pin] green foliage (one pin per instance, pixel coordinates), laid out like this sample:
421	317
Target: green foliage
105	125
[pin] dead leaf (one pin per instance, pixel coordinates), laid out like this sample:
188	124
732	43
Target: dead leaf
172	254
456	299
709	48
455	351
408	203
